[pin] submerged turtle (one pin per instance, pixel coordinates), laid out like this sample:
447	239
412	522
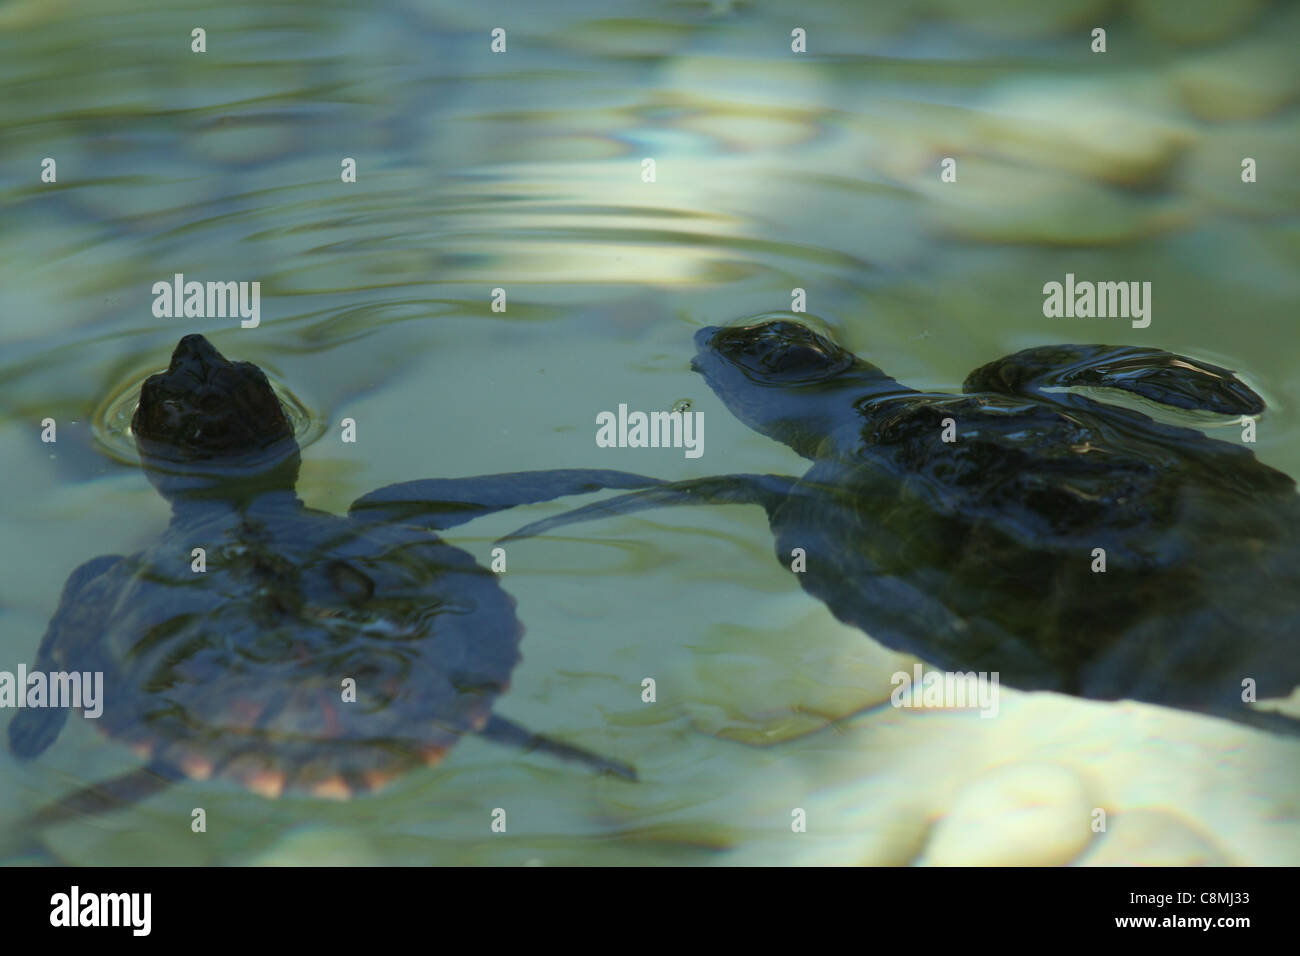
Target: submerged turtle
979	554
239	671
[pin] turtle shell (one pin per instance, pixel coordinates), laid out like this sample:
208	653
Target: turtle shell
1022	528
242	670
300	650
980	553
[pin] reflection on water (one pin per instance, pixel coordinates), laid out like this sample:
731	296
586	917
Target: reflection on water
525	172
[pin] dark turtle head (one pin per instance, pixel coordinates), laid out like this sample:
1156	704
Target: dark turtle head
785	380
213	428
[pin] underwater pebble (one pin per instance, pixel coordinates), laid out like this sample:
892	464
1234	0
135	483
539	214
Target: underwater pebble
755	687
1212	172
1195	21
1001	202
141	836
1020	18
631	37
1152	838
1248	80
904	138
751	83
1035	814
866	809
29	13
1116	130
880	838
245	140
319	846
557	18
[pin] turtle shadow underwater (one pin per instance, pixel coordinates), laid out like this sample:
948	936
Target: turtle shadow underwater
980	553
241	669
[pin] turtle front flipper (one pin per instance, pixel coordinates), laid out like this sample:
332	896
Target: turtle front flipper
502	731
76	623
440	503
766	490
1152	373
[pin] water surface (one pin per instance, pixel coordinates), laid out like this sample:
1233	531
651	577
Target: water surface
523	171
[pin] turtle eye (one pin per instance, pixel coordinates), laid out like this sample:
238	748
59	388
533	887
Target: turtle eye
170	412
797	358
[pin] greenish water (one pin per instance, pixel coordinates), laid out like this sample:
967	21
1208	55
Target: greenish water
774	171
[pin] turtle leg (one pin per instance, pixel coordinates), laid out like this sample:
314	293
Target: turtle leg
766	490
440	503
105	796
1152	373
73	626
502	731
33	730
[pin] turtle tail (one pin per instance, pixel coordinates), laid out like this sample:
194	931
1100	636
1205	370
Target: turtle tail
503	731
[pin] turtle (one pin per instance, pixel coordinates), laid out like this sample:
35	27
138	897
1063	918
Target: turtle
242	670
981	553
